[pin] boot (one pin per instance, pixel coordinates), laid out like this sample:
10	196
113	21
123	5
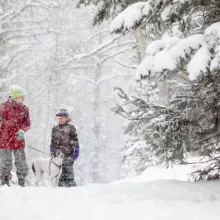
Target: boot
62	183
71	183
5	180
21	182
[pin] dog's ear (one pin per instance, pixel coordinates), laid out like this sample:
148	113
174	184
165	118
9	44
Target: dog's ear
58	153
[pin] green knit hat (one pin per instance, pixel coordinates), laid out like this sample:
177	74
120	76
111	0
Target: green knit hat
16	91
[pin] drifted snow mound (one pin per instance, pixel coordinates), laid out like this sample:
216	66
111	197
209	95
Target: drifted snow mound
155	200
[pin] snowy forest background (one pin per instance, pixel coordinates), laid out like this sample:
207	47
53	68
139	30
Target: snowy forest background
154	63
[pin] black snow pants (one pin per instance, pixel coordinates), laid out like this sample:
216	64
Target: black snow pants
67	175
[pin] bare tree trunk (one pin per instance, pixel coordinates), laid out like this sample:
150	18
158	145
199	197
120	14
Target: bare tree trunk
142	43
95	165
164	90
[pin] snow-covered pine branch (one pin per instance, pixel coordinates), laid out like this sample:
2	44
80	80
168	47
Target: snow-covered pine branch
166	13
199	53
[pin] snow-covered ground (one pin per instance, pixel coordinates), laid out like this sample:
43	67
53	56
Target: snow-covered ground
155	173
135	199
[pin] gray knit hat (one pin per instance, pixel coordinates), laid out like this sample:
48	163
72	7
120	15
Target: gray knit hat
62	112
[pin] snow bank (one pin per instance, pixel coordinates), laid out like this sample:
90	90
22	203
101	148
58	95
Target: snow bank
156	200
155	173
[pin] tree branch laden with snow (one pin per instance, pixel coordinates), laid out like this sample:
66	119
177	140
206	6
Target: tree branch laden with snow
196	51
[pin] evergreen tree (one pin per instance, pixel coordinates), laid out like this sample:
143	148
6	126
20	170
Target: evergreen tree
136	153
159	12
107	8
185	45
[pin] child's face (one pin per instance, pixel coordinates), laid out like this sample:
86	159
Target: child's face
62	119
19	99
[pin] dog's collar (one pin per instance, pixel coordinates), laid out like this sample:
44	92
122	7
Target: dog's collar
57	165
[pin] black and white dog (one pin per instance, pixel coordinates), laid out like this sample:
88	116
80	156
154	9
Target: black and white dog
51	166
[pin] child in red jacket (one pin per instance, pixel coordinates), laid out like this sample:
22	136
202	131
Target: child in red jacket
14	121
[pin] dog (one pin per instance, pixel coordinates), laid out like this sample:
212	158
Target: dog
51	166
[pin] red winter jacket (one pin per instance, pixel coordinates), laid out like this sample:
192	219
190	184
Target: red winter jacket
14	117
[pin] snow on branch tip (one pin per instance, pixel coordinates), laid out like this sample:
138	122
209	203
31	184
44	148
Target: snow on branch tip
197	54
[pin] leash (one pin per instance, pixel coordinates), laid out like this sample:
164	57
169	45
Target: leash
59	166
33	148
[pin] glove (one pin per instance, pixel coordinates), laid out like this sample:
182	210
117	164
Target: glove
52	151
76	153
20	135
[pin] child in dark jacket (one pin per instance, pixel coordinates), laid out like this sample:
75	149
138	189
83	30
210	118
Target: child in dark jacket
64	137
